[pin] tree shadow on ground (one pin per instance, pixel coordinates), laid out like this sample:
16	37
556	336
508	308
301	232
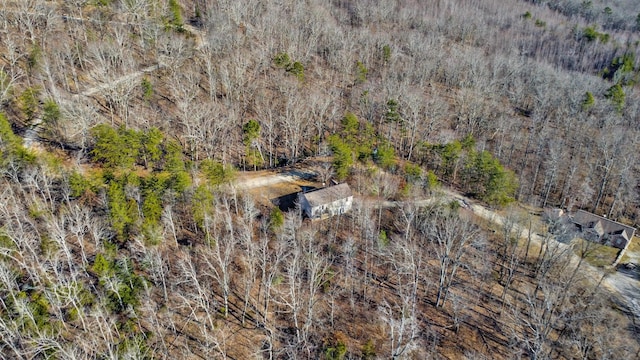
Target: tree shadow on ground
289	202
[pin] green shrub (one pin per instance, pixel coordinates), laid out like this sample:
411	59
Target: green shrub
134	347
152	208
39	306
617	96
102	2
621	70
116	148
33	59
173	157
297	69
152	233
342	156
412	172
176	15
588	101
29	103
350	127
202	204
432	181
147	89
361	72
180	181
282	60
254	157
335	347
368	350
11	148
131	145
590	33
383	239
130	287
489	180
123	212
123	148
78	184
101	266
250	132
276	219
386	53
216	173
107	145
151	146
10	143
51	113
335	352
48	247
385	156
392	115
6	242
450	153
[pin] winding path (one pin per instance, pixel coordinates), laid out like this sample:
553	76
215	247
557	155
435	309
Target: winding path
31	138
624	289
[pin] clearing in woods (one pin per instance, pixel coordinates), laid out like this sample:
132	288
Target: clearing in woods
270	187
280	188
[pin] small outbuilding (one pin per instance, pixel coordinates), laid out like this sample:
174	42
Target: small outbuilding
326	202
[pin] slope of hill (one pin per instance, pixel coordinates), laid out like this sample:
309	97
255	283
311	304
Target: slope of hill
122	123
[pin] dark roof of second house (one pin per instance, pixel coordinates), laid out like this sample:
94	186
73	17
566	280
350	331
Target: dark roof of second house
328	195
606	226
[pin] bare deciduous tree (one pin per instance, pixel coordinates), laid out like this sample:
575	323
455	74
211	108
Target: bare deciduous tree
450	237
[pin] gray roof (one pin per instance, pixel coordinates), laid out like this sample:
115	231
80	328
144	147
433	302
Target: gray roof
328	195
589	220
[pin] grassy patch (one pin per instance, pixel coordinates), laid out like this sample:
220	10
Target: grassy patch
633	251
596	254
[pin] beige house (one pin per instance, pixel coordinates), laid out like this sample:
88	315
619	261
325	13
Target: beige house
326	202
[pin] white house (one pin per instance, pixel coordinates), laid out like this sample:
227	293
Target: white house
326	202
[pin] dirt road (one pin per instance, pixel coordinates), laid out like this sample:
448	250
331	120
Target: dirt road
623	287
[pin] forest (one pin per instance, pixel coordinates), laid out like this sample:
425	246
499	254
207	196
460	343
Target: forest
127	128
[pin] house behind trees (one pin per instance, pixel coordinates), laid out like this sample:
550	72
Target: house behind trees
326	202
602	230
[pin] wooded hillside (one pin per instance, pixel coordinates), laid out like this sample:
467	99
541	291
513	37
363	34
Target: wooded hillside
124	124
549	90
